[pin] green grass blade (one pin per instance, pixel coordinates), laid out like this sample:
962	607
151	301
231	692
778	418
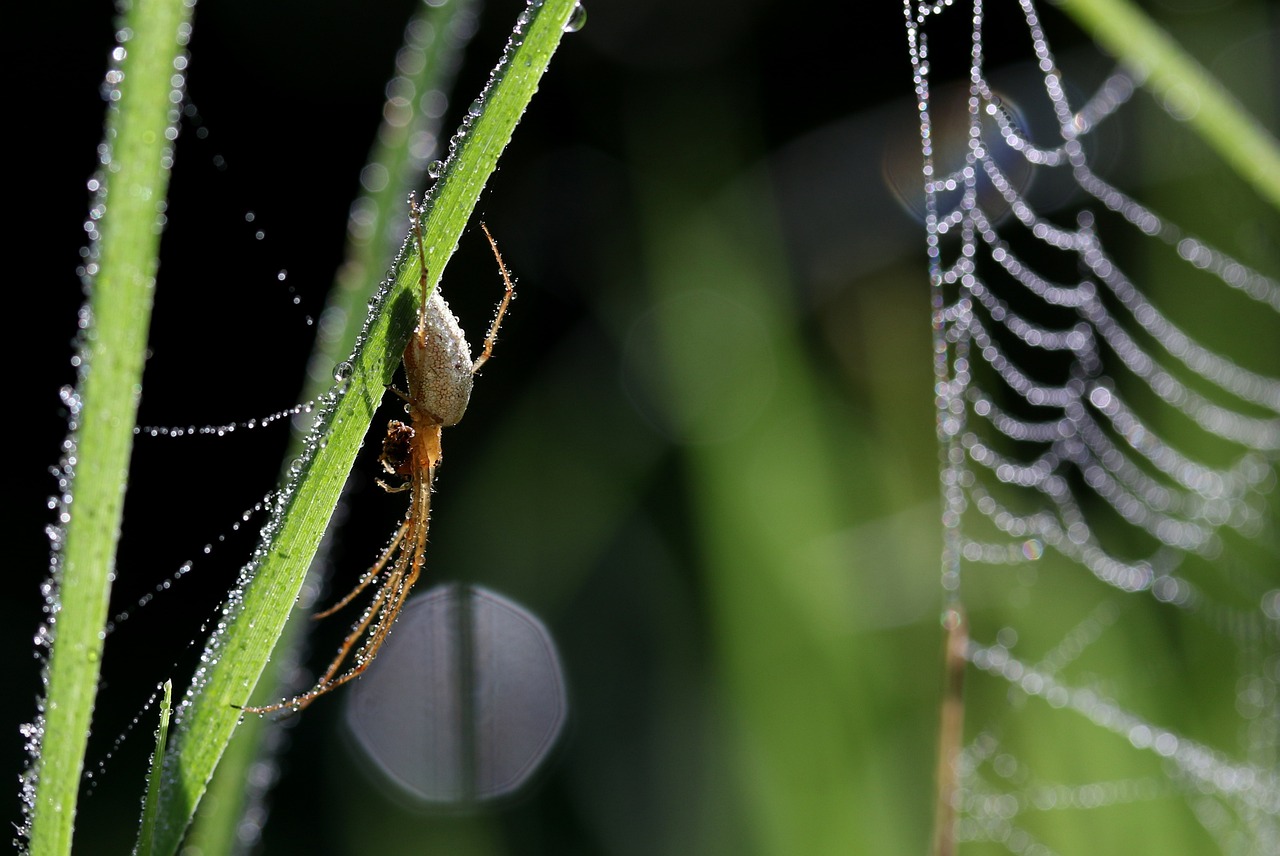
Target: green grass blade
765	489
383	222
141	125
255	616
435	40
146	830
1177	79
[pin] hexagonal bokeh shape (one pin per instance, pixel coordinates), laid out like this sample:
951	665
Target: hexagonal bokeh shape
464	701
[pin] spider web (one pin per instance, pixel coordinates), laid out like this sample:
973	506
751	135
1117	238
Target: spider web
1104	473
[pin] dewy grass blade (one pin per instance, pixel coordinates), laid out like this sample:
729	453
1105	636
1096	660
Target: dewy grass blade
255	615
146	829
145	88
437	37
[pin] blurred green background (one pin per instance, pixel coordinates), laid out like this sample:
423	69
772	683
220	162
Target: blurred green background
704	452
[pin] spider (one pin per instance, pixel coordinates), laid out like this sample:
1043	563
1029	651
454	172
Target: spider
440	372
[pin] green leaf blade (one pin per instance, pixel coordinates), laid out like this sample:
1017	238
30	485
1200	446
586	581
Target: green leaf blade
146	830
255	615
128	217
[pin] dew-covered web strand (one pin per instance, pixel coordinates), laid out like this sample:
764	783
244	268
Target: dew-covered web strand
188	566
256	229
95	771
1039	460
1089	388
1257	787
341	373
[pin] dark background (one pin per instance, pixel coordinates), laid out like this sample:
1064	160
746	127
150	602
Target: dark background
649	96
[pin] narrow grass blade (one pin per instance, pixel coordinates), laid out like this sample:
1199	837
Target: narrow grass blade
435	39
255	615
1176	78
145	94
146	829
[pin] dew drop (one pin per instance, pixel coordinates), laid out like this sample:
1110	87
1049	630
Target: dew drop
577	19
951	619
435	169
342	371
1271	604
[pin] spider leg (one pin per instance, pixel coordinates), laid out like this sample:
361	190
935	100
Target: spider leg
369	576
387	607
327	682
406	582
300	702
400	583
375	609
502	306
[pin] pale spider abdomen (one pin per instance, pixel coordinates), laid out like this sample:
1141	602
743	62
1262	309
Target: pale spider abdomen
439	368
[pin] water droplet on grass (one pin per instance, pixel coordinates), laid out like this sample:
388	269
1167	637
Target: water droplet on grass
577	19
